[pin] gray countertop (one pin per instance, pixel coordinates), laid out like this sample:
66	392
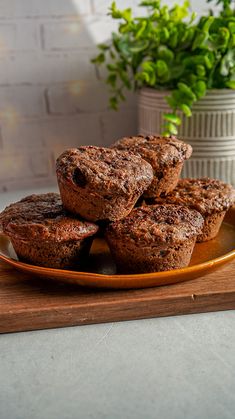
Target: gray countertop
168	368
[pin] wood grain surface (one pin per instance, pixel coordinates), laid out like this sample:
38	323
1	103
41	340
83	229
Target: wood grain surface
27	303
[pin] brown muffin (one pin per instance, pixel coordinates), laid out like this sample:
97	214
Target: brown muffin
154	238
166	156
101	184
211	197
43	234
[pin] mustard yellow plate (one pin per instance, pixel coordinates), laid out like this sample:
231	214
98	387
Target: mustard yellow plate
101	270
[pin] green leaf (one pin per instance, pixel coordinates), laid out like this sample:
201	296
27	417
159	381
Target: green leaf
124	77
231	27
165	53
138	46
120	14
187	91
193	17
164	12
164	35
165	133
114	12
230	84
171	102
178	12
176	72
161	68
148	66
111	79
141	29
112	55
192	78
143	76
222	37
209	60
150	3
122	45
171	117
103	47
191	61
173	40
201	71
207	23
152	80
99	59
232	41
111	67
185	109
200	40
190	35
124	28
200	88
113	103
120	94
171	128
227	62
127	14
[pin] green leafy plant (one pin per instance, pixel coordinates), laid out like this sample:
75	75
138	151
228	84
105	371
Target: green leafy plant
167	49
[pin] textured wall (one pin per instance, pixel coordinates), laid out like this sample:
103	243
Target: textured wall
51	97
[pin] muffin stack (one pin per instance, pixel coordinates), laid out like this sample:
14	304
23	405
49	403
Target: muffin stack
151	219
210	197
207	201
44	234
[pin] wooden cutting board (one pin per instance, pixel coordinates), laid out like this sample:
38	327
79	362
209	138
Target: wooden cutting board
27	303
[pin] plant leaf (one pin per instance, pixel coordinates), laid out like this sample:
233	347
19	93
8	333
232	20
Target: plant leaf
227	62
230	84
171	117
161	68
200	88
187	91
185	109
200	40
171	128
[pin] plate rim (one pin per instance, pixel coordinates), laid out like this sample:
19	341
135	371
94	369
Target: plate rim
127	281
90	276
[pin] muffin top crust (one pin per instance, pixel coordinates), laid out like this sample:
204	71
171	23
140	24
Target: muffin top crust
204	195
43	217
104	170
157	224
158	150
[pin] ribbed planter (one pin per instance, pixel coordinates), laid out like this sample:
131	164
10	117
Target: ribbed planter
210	131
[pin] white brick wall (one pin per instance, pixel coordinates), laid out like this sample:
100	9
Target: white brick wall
24	99
43	8
50	97
22	135
77	33
15	36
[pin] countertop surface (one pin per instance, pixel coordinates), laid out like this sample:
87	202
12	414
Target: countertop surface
169	368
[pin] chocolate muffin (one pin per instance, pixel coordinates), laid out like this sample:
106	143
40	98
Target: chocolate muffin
211	197
166	156
42	233
154	238
101	184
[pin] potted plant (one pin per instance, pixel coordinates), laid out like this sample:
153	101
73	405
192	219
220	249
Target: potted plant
184	72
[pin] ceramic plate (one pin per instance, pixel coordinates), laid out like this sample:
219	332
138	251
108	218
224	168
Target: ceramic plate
101	270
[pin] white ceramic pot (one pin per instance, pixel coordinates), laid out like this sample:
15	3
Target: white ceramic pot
210	131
